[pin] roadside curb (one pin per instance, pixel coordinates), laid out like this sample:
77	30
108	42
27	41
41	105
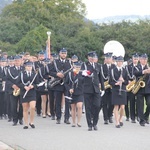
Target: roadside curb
4	146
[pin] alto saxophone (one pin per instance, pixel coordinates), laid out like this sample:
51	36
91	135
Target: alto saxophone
131	85
139	84
107	85
16	92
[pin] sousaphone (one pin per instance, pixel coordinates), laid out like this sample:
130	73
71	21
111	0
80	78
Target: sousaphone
114	47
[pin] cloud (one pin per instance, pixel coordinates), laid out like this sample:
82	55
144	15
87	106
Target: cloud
104	8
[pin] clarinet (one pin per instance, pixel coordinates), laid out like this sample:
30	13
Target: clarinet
120	89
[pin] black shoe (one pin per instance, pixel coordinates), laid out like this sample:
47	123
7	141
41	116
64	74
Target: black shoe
147	121
25	127
21	122
117	126
127	119
14	124
58	121
73	125
9	120
49	115
142	123
121	124
95	127
89	128
110	120
53	118
32	125
66	121
44	116
38	115
133	121
105	121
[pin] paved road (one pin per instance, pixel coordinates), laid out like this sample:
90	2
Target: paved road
49	136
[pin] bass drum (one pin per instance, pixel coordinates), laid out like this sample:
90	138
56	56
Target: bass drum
114	47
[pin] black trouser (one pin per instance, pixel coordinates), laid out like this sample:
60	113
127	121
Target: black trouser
107	106
1	104
52	102
140	106
58	101
132	100
127	108
38	102
8	106
5	104
17	113
92	110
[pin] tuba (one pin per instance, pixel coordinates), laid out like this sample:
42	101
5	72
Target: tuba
16	92
139	84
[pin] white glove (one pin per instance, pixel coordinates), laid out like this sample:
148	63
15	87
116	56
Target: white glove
84	73
102	93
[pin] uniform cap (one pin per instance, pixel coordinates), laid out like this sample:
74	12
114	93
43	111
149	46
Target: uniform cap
63	50
108	55
144	55
92	54
119	58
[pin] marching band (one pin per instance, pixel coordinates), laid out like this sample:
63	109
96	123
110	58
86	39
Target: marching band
36	84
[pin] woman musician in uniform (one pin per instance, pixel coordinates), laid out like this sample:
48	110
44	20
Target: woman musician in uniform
74	87
119	80
27	82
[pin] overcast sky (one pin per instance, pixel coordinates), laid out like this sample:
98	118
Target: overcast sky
97	9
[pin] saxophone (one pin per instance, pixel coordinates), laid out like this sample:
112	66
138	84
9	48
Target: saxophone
107	85
139	84
16	92
131	85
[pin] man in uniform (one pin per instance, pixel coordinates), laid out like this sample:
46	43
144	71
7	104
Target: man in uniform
131	68
12	76
143	73
107	106
92	97
58	70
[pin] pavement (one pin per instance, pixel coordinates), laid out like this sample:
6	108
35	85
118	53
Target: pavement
51	136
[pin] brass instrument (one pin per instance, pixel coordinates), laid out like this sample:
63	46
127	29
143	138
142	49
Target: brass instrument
139	84
55	81
16	92
131	85
107	85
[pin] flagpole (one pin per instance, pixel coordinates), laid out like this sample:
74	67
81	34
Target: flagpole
48	44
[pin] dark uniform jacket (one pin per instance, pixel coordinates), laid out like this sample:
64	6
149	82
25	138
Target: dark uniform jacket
91	83
58	66
114	77
12	76
2	78
75	82
25	80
